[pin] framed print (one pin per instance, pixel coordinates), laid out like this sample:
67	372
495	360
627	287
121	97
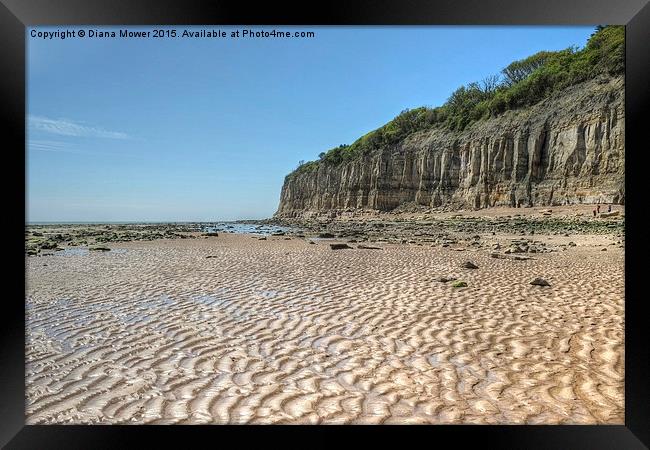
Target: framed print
372	218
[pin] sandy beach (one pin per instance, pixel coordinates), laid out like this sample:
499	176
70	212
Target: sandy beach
233	329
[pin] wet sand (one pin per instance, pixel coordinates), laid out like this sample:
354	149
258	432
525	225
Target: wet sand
284	331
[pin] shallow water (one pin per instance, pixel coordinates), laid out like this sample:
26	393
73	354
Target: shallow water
245	228
73	251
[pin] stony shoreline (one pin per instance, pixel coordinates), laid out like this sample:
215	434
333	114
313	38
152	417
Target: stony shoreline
465	228
478	229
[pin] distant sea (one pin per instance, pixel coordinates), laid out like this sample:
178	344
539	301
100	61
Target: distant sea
247	228
216	226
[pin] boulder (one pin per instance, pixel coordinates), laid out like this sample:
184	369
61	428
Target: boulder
446	279
540	282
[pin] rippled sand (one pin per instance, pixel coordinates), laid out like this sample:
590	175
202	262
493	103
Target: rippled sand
282	331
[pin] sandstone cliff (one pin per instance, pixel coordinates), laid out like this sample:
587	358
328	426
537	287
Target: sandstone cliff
568	148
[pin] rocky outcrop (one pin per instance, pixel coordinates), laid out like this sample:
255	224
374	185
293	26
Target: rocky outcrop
569	148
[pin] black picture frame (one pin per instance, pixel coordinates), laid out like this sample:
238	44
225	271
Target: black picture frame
16	15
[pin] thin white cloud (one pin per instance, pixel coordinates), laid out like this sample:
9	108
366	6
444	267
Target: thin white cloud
46	144
53	146
65	127
65	147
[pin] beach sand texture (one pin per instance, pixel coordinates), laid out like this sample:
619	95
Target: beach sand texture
283	331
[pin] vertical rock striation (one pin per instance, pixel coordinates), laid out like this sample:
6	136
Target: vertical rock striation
568	148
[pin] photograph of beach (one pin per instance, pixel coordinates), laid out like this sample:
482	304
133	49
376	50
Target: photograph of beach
325	225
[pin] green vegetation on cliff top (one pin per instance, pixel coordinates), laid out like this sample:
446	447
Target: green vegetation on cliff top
522	83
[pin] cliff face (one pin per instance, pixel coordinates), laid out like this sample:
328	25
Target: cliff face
568	148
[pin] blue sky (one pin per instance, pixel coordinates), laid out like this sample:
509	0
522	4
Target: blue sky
194	129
